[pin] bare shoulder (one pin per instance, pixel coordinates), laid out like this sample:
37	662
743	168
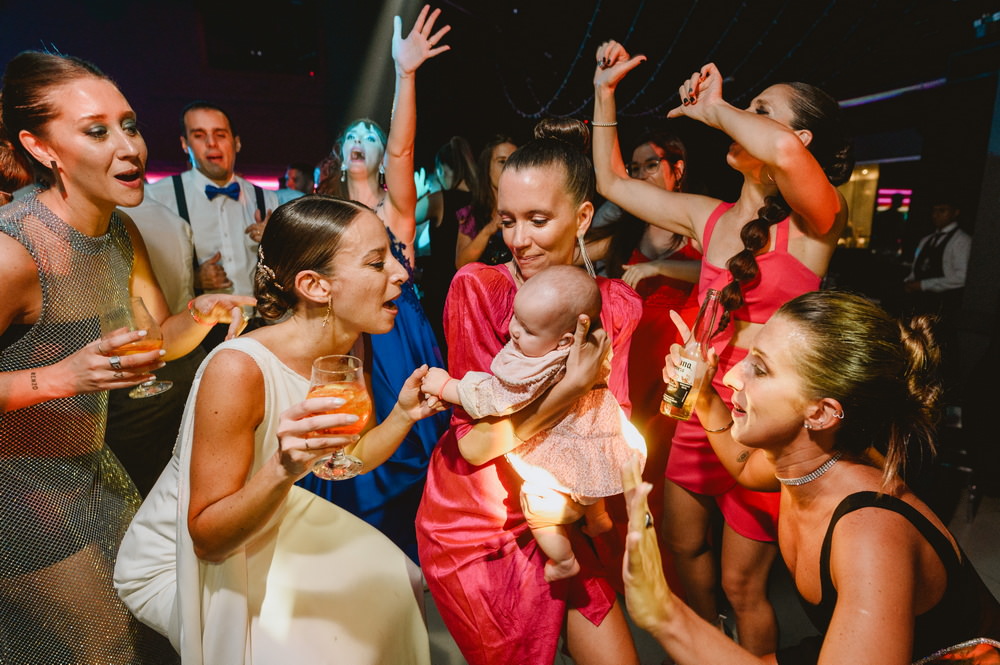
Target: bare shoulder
232	383
22	290
233	367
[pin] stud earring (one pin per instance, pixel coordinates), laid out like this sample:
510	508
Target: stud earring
808	426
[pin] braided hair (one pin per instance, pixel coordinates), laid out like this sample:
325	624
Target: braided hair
816	111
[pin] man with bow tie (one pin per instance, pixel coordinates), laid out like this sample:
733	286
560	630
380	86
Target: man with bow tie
227	213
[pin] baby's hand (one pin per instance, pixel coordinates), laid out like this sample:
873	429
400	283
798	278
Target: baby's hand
434	381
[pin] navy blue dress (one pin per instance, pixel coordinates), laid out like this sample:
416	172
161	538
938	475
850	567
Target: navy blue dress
387	497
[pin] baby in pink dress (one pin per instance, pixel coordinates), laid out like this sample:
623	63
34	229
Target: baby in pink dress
569	468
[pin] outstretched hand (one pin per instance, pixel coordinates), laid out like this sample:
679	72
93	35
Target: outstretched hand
420	45
414	401
647	595
613	63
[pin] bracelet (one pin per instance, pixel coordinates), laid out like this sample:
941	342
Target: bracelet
721	429
594	123
194	315
444	385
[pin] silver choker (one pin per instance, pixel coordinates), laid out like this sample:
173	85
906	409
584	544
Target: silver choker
809	477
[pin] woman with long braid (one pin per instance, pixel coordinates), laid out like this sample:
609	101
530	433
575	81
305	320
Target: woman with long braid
776	241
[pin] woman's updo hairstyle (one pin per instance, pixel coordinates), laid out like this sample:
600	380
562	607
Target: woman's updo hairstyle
564	142
883	372
303	234
26	102
818	112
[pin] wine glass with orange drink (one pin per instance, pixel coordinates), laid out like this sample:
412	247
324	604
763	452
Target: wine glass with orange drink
134	316
342	377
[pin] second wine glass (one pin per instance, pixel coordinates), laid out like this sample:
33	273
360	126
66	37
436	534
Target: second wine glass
342	377
135	316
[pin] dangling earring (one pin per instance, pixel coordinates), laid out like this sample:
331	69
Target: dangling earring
586	258
381	176
57	177
343	175
329	310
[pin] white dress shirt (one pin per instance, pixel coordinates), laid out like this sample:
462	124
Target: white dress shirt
171	250
954	262
219	225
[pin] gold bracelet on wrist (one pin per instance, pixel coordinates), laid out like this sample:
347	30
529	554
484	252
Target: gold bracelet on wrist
194	315
721	429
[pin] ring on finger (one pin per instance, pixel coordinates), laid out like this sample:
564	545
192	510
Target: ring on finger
119	375
116	362
649	520
99	349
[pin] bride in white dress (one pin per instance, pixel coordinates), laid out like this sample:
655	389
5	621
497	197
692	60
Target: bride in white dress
266	571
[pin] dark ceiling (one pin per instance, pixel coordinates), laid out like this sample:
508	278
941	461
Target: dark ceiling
289	69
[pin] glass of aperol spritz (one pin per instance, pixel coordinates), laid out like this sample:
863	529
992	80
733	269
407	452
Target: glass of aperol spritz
342	377
130	316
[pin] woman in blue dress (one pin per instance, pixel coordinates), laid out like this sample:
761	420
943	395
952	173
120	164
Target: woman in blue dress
377	170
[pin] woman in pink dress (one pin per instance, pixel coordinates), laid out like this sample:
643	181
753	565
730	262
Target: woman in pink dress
773	244
481	563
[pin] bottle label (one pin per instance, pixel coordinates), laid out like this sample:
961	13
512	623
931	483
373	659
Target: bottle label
678	389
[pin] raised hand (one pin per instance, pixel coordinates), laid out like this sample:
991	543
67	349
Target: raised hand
256	230
613	63
420	44
698	94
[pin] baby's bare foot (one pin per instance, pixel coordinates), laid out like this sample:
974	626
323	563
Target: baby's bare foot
597	525
560	570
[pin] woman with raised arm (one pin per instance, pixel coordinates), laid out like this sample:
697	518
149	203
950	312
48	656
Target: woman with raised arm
834	395
776	241
378	171
66	254
483	567
663	268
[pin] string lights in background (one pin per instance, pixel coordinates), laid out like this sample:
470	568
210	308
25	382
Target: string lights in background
755	44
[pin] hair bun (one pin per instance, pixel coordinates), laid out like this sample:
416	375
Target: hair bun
568	130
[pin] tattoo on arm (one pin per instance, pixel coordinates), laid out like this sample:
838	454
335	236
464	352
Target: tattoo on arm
742	457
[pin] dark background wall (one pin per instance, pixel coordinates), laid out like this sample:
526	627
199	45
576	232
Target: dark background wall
293	71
